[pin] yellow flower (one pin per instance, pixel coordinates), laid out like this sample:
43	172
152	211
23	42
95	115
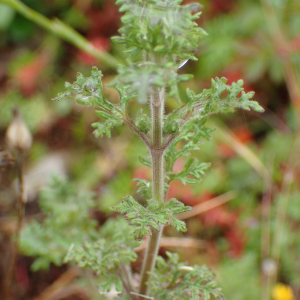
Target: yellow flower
282	292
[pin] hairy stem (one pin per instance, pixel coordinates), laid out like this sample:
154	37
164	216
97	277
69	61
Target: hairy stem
157	175
157	112
149	260
157	154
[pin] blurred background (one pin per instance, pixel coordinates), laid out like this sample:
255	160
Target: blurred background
246	222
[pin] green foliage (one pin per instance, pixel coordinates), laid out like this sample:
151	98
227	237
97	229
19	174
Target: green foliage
143	123
67	222
237	270
192	168
232	40
193	117
174	280
88	91
105	128
144	76
144	219
160	27
171	155
171	127
157	29
124	94
104	256
145	187
159	37
222	98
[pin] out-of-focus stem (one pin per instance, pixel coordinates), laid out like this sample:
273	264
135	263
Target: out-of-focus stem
21	206
265	236
62	30
127	273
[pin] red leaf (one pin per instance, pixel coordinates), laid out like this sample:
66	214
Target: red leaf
219	216
105	21
29	75
22	274
237	241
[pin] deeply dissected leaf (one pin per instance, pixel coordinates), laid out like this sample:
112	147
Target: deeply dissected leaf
144	187
104	256
87	90
67	221
105	128
222	98
193	116
146	218
172	280
172	28
191	168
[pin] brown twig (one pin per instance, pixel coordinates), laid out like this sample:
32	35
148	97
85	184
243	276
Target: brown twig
21	207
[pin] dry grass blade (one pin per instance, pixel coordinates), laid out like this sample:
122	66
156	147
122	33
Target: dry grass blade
228	137
174	242
207	205
57	286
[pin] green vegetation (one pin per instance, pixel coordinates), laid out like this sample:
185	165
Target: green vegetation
168	116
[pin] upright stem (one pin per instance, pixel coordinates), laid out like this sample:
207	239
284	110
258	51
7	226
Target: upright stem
157	154
149	260
21	206
157	115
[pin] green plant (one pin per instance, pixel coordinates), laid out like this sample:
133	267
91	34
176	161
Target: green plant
67	222
160	37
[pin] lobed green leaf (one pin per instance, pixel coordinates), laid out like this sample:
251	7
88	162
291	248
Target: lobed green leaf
173	280
145	219
192	168
66	221
104	256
